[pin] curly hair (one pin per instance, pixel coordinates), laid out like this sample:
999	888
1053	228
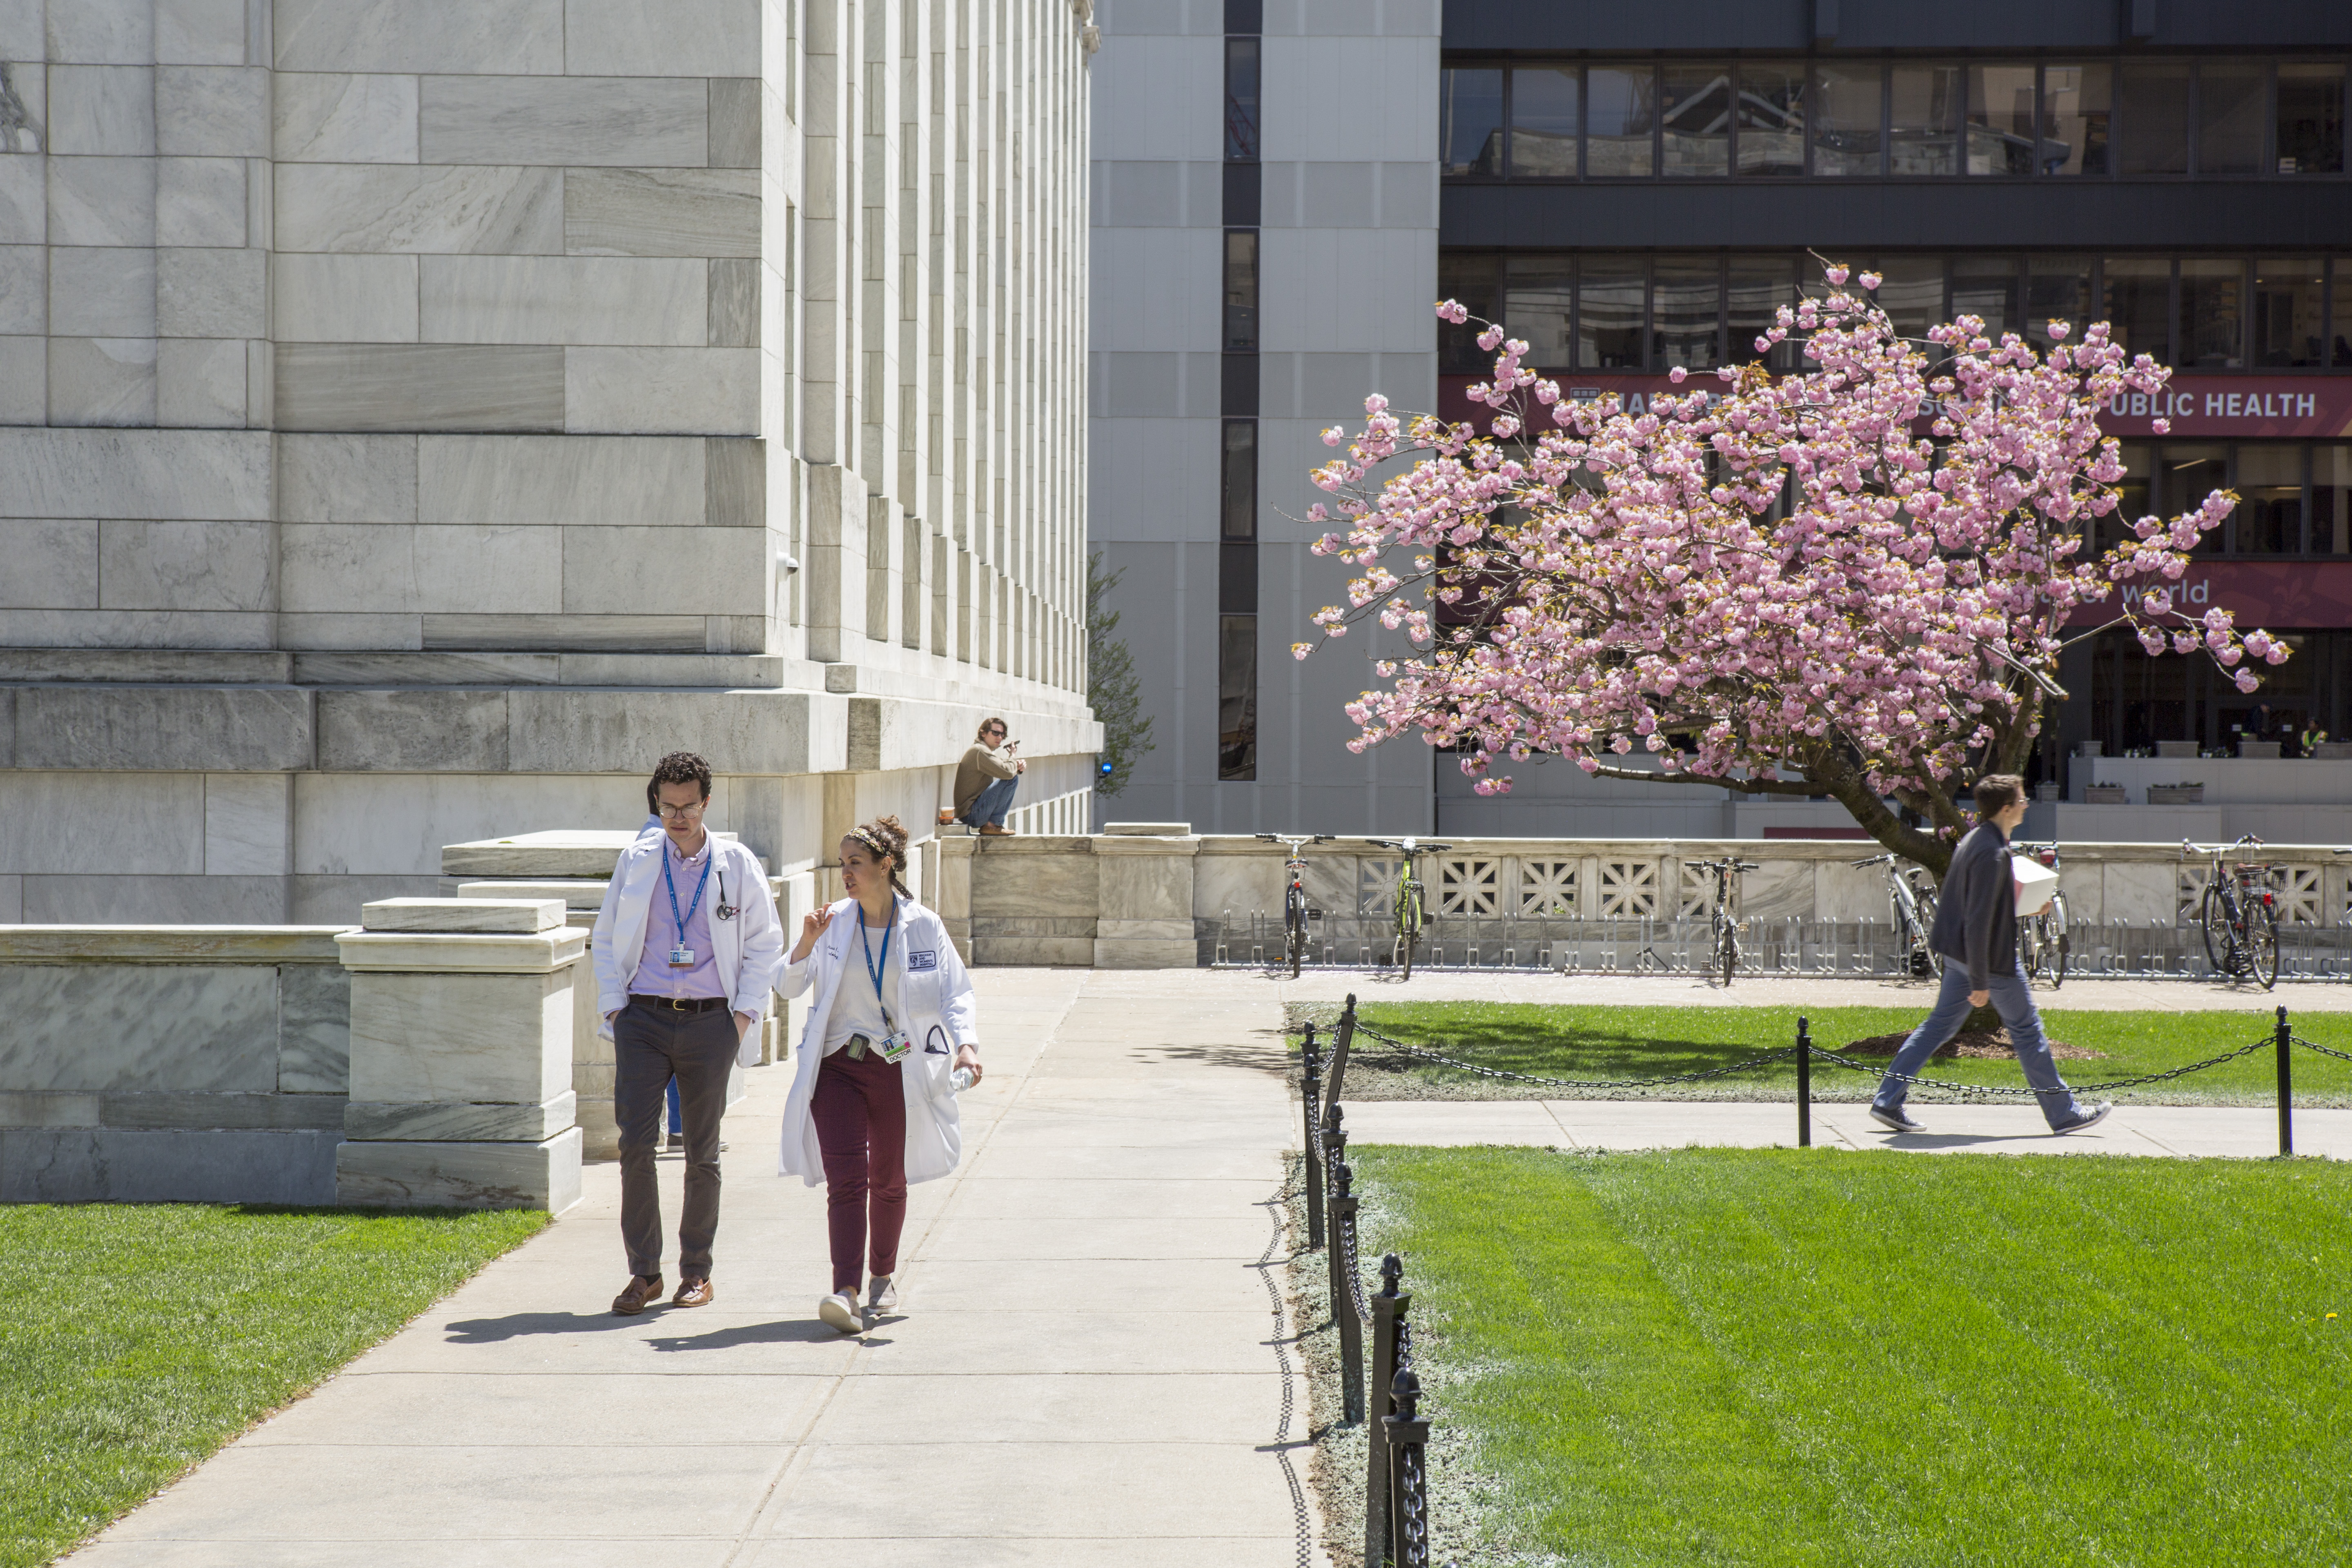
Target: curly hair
886	836
678	767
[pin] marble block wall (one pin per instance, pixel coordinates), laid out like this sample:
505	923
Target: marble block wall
200	1064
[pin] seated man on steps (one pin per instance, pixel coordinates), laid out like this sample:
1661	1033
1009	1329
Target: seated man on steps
986	779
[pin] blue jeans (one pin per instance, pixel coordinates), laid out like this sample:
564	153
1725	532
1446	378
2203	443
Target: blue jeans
988	808
2014	1003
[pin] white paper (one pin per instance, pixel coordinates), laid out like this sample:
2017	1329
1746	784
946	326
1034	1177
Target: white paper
2035	883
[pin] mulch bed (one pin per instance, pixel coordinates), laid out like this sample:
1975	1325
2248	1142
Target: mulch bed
1981	1043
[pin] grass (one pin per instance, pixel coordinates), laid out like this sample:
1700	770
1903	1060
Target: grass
140	1338
1605	1042
1769	1357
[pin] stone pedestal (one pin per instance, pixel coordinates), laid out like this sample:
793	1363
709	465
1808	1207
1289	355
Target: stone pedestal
1144	882
462	1046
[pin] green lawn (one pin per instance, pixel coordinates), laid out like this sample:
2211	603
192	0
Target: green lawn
140	1338
1603	1042
1767	1357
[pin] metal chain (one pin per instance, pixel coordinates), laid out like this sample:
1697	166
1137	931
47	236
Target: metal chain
2164	1077
2322	1050
1783	1053
1278	1208
1355	1269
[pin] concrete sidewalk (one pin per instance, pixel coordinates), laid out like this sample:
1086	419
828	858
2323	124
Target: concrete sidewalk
1084	1372
2176	1131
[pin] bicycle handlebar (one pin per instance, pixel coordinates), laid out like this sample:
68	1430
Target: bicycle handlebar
1875	860
1409	845
1296	839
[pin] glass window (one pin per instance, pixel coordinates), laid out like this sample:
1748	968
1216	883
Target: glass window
2310	119
1238	480
2287	313
1986	286
2135	497
2212	330
1237	697
2057	287
1924	119
2230	117
2075	110
2155	114
1240	100
1470	121
1537	311
1771	117
2001	120
1623	109
1543	121
1694	109
1240	291
2189	474
1609	320
1472	281
2331	501
1846	104
2269	519
1686	309
1756	290
2139	302
1911	292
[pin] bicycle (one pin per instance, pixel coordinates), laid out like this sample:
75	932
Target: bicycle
1408	916
1296	910
2043	944
2239	913
1911	897
1724	957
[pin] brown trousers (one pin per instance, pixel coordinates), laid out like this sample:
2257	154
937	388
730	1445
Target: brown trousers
652	1045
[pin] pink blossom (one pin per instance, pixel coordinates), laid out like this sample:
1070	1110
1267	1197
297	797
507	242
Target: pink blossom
1676	374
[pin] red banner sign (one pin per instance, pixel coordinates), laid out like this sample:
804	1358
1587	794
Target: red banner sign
2200	407
2278	596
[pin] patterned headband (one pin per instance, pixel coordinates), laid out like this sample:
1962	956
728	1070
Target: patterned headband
872	843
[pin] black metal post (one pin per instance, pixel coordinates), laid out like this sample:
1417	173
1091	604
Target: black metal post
1408	1435
2285	1085
1335	1160
1310	1095
1805	1083
1336	1082
1388	1309
1343	1296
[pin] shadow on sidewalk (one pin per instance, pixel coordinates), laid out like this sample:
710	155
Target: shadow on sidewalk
497	1331
795	1331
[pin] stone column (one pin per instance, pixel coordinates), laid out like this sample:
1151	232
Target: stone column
461	1056
956	848
1144	899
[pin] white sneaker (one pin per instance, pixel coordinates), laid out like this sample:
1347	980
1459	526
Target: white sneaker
840	1310
881	1296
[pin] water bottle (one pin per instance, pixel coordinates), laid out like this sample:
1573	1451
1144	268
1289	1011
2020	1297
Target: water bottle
961	1078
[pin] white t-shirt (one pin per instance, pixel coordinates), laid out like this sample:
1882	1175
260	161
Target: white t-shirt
856	1009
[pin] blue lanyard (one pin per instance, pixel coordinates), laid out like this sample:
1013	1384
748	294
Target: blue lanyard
695	902
873	970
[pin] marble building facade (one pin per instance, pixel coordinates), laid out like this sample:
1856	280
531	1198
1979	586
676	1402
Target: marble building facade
417	415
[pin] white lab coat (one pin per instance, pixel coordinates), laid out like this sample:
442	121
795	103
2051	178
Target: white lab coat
749	950
935	1009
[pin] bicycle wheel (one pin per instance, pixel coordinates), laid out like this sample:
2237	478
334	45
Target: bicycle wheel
2062	942
1408	925
2262	944
2028	947
1931	961
2221	942
1294	919
1726	947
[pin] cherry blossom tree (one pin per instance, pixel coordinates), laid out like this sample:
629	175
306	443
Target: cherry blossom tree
1855	580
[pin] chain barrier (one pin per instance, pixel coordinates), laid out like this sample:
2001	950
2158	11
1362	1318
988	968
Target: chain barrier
2264	1044
2322	1050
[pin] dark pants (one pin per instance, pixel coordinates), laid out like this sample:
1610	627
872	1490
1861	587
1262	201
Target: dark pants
860	1111
989	806
652	1045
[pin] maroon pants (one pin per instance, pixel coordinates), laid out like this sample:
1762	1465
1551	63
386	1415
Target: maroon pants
860	1111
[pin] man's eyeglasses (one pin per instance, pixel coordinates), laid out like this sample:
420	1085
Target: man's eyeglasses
681	812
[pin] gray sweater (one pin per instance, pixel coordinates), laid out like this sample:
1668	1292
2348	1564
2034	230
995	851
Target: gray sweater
1976	912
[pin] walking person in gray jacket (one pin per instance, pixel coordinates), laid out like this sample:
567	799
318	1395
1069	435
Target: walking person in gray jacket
1976	932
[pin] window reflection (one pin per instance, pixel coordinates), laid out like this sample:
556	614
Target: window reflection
2269	517
1539	307
1472	281
1686	305
1753	296
2075	117
1237	697
2287	312
1470	121
1923	118
1772	118
1240	291
1623	110
1695	115
2155	114
2001	120
2189	474
2211	333
2230	117
2331	501
2139	302
2310	119
1986	286
1238	481
1240	100
1911	292
1609	322
1846	104
2057	287
1543	121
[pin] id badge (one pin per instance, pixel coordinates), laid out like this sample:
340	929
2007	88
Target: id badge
893	1047
681	957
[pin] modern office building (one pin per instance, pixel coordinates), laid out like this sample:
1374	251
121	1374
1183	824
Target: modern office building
1636	188
416	419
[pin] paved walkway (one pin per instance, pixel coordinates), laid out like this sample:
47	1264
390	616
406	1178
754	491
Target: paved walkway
2157	1129
1085	1372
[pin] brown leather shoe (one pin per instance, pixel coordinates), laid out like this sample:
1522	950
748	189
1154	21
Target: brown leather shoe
641	1291
990	831
692	1293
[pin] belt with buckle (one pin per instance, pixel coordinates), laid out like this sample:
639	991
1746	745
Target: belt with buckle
681	1003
